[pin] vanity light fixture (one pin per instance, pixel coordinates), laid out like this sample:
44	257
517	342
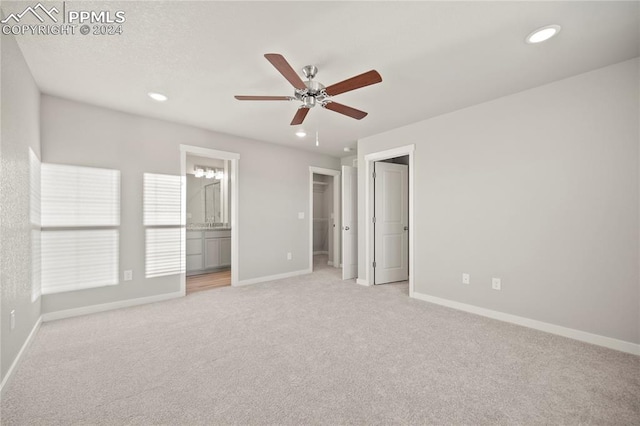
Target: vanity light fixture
208	172
157	96
543	34
301	133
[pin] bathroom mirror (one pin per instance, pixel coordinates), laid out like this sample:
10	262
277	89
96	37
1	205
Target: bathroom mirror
208	192
212	202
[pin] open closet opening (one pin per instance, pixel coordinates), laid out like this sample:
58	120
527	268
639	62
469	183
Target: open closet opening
324	218
323	221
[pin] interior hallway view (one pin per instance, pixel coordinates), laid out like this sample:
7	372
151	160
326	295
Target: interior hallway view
313	349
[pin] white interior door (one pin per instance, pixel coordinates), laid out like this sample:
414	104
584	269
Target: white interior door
391	227
349	222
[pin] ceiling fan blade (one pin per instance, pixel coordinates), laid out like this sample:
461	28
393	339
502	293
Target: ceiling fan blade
262	98
285	69
362	80
299	117
346	110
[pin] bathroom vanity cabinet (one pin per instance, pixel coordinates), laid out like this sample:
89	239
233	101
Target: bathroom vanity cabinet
208	250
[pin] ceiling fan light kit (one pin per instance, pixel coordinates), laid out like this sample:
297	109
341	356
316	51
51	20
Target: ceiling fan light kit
311	93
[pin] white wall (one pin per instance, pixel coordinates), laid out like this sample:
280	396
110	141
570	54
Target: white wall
348	161
273	188
539	188
20	131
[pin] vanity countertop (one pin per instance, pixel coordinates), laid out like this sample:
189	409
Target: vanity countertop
207	228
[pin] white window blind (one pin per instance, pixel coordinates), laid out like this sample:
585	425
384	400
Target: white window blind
164	233
80	196
162	199
164	253
80	219
79	259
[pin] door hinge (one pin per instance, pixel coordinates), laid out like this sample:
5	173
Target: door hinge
374	175
373	219
374	264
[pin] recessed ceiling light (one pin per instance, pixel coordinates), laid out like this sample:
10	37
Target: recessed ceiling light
157	96
301	133
543	34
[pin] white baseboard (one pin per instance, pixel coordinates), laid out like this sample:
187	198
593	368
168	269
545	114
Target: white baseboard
92	309
320	252
583	336
273	277
362	281
23	349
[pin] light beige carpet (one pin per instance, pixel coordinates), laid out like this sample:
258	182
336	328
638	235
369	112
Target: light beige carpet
313	350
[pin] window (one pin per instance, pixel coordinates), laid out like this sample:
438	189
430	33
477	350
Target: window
164	233
80	212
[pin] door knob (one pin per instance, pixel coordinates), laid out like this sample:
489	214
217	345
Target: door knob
346	228
406	228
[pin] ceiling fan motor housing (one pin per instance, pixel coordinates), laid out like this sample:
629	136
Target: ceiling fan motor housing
310	71
314	92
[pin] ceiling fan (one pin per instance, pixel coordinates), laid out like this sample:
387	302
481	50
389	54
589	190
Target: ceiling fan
311	92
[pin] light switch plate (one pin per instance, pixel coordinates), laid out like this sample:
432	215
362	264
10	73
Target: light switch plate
128	275
466	279
300	215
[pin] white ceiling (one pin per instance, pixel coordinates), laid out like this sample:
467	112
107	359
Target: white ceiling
434	57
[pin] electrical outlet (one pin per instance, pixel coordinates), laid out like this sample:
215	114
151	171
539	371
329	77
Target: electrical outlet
13	319
496	283
289	256
128	275
300	215
466	279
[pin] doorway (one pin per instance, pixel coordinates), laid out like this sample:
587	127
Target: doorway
392	250
391	220
210	216
324	218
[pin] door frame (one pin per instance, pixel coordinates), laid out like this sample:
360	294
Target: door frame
336	213
234	159
369	209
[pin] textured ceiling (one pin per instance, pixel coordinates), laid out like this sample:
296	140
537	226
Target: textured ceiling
434	57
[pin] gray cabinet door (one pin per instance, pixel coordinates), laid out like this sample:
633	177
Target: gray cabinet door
212	252
225	251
